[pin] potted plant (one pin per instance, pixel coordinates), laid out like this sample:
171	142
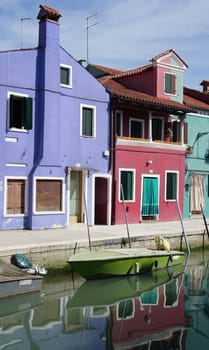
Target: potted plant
168	134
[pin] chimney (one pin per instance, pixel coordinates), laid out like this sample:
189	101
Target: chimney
48	35
205	84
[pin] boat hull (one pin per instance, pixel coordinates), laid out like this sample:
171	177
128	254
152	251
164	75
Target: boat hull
124	262
14	281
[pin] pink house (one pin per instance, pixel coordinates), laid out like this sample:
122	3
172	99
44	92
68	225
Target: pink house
149	138
154	320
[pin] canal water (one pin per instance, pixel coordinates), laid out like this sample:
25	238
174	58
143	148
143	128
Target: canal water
156	311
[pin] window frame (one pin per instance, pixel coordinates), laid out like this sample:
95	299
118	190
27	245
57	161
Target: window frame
124	304
15	178
177	185
162	129
28	105
141	121
70	77
119	114
48	212
133	171
170	86
93	108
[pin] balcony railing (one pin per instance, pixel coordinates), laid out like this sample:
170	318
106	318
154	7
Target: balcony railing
125	140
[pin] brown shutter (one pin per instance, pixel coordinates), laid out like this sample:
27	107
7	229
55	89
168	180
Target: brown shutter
15	196
49	195
173	84
186	133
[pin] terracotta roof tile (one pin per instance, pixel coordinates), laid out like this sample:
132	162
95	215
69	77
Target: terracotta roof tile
47	12
108	70
196	99
121	91
133	71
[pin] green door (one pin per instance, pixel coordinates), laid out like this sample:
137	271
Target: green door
150	196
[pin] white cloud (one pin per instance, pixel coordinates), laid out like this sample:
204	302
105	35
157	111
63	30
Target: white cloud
127	34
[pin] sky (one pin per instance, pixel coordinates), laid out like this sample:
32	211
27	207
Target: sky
122	34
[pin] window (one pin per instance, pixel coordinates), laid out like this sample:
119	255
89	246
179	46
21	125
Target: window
66	76
49	195
88	121
119	121
176	131
171	185
125	309
157	129
127	185
136	128
170	84
15	203
20	112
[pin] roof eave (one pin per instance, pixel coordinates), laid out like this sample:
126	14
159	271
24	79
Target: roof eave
147	104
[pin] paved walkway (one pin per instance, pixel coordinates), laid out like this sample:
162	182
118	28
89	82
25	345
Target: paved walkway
17	240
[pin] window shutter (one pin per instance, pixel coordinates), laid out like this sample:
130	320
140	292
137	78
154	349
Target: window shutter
185	133
11	110
87	124
118	124
15	196
48	195
171	186
170	83
28	113
167	83
173	84
127	183
176	131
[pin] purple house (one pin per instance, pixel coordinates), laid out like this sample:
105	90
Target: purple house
54	136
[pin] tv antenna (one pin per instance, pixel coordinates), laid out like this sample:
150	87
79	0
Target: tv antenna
88	26
22	20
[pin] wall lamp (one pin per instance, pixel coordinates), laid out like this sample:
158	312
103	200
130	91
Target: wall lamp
149	162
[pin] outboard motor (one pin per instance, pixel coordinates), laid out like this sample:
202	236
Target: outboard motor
21	261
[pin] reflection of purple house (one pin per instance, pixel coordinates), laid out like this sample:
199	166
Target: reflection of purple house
54	136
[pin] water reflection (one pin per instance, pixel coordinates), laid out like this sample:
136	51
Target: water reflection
137	312
165	310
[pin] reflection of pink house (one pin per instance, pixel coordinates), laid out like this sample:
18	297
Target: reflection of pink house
148	138
155	316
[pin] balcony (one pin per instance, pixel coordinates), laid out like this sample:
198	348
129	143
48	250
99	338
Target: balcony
140	142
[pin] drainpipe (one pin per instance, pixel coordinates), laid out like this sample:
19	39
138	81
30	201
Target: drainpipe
112	143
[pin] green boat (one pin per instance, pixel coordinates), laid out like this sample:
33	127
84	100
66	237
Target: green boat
123	262
112	290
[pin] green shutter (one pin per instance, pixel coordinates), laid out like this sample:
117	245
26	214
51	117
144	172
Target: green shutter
167	83
11	110
28	113
171	186
170	83
127	183
87	122
125	309
64	76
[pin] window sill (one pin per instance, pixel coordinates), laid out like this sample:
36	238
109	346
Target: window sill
49	212
66	86
18	130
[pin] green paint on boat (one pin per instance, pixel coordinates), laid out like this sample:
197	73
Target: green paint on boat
117	262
